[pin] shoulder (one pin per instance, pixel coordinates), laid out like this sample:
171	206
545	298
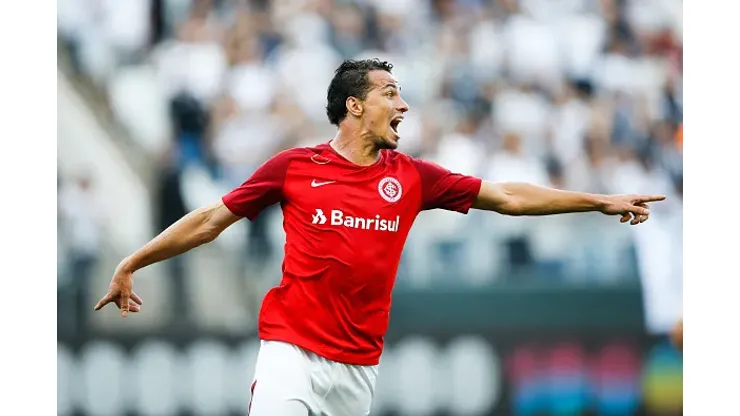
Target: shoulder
295	152
285	158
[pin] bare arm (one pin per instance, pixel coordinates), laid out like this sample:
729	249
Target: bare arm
194	229
198	227
526	199
263	188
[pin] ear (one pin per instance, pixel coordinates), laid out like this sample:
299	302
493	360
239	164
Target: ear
354	106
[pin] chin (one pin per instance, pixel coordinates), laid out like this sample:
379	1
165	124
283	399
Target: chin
388	143
392	143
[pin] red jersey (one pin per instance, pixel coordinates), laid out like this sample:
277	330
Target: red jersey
345	228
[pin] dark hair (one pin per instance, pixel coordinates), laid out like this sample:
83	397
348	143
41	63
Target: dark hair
350	80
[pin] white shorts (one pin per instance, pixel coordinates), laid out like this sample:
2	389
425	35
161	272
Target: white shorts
290	381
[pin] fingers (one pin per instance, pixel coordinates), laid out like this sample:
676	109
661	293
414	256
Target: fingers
125	300
132	306
636	214
648	198
108	298
125	305
640	209
136	298
633	219
641	218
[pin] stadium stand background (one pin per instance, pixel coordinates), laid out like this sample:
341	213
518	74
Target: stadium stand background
164	105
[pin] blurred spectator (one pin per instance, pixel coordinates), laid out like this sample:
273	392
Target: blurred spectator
513	164
571	118
189	121
526	111
533	52
591	171
82	219
194	62
104	34
349	30
170	207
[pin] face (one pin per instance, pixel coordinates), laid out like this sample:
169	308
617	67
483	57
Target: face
382	110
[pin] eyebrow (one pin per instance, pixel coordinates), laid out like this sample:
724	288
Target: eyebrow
396	86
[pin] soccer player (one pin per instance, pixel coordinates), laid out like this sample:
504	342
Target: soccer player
348	205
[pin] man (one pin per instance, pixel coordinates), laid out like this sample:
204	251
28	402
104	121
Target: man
82	220
348	206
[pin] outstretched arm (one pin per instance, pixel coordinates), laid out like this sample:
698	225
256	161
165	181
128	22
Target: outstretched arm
201	226
527	199
198	227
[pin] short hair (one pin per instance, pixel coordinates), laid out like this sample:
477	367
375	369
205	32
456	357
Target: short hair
350	80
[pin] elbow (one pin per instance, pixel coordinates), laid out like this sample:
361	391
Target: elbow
500	198
511	206
512	210
506	207
207	237
206	230
207	234
507	201
517	200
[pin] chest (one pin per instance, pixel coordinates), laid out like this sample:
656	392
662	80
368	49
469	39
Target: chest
373	193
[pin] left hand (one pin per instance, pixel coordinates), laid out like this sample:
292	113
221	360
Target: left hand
630	207
120	292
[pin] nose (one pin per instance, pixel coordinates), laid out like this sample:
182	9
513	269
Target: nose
402	106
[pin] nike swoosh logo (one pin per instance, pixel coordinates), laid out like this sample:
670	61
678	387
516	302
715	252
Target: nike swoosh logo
315	184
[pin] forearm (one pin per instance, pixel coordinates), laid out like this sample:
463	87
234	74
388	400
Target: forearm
189	232
527	199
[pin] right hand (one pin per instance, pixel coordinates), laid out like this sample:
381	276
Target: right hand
632	208
121	294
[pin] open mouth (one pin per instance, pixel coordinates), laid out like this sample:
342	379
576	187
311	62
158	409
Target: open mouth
394	124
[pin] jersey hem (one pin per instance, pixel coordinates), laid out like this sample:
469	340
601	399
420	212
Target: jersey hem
339	357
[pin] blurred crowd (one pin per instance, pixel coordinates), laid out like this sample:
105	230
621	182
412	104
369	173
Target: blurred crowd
577	94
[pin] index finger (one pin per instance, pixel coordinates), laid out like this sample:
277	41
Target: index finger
649	198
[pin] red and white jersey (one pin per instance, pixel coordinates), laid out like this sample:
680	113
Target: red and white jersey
345	228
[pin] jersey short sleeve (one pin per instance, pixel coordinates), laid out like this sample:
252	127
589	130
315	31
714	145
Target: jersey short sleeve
262	189
446	190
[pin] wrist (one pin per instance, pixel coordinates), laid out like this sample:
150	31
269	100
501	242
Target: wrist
599	202
126	266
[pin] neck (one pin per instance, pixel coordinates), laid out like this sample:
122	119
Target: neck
355	146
